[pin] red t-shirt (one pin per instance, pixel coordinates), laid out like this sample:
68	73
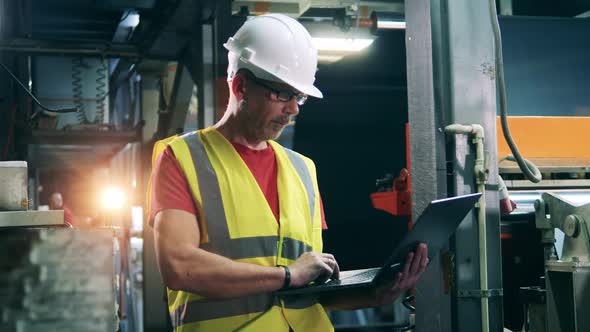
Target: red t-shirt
68	216
170	189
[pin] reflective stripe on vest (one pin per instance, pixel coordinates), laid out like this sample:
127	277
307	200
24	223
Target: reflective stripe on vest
211	309
218	232
239	248
303	172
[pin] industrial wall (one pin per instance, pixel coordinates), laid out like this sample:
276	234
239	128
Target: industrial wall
356	134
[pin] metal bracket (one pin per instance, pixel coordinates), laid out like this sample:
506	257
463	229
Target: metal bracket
478	293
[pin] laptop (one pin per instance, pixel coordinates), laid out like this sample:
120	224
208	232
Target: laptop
434	227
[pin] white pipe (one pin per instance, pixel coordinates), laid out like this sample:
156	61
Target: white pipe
480	178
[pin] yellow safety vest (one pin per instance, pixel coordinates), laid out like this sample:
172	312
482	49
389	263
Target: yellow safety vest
236	221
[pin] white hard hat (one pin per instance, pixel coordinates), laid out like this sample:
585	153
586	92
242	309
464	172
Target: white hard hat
277	48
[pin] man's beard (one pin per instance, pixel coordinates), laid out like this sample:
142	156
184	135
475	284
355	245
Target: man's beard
266	132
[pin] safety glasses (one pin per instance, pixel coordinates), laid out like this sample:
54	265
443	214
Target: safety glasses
281	95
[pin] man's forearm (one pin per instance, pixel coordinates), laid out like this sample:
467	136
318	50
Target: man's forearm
184	266
215	276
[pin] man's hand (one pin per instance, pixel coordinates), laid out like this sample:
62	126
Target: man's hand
415	265
313	266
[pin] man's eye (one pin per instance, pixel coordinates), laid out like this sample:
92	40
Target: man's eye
285	95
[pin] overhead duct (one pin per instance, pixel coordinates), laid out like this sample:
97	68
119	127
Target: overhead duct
296	8
292	8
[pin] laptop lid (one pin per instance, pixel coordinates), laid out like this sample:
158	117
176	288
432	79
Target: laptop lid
434	226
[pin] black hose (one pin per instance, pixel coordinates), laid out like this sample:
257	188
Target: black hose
532	175
54	110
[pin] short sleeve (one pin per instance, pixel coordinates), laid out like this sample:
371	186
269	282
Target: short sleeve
170	189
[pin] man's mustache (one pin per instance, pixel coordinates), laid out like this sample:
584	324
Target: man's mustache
285	121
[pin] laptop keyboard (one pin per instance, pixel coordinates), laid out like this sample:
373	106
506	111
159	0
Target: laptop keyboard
353	277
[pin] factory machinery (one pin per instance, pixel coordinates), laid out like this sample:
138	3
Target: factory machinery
546	241
54	277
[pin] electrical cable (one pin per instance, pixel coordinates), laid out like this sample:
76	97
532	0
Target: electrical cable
53	110
101	94
526	161
533	174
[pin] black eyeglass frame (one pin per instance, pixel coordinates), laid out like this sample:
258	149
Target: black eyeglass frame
281	95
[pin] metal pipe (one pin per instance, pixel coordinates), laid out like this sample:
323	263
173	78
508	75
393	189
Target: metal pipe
476	131
526	199
387	20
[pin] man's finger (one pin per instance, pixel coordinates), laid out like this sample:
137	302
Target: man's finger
327	255
329	261
336	272
325	273
424	260
408	263
417	264
327	266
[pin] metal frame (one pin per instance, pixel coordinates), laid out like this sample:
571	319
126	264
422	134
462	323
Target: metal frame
449	47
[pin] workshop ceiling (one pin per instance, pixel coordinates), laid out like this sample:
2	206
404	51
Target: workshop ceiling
114	28
165	25
80	20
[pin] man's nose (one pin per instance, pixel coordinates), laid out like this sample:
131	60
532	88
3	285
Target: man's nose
291	107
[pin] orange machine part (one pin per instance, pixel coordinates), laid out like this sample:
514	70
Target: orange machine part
547	136
398	203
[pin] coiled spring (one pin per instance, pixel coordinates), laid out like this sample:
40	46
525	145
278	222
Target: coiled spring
101	92
77	66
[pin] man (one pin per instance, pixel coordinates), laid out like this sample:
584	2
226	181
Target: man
56	202
236	216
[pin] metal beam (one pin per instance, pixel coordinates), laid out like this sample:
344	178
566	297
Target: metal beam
80	137
206	59
451	80
427	157
34	46
179	109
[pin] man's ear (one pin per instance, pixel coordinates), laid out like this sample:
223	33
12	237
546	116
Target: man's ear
238	85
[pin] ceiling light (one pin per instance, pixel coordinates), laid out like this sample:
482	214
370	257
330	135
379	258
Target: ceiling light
342	44
327	59
130	19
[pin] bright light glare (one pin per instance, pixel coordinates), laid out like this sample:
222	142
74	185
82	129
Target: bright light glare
136	218
342	44
113	198
329	58
131	20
